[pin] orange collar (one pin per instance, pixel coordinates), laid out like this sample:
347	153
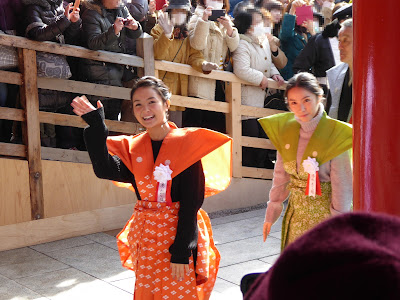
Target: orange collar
181	148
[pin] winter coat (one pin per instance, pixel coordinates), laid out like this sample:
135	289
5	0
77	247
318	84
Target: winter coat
336	77
167	49
316	57
10	14
212	40
45	21
98	34
251	62
292	43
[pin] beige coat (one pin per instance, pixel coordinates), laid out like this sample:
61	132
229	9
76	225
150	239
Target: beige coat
167	49
252	61
210	38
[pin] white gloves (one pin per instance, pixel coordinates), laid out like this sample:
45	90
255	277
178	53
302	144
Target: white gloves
165	24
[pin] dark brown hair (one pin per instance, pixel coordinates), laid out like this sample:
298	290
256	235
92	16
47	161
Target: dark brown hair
305	81
154	83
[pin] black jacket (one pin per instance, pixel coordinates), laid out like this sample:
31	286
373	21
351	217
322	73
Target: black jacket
98	34
45	21
316	57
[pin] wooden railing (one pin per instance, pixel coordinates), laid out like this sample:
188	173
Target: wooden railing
31	117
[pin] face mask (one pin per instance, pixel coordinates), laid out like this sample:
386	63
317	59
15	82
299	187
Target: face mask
258	30
267	30
215	4
316	26
178	19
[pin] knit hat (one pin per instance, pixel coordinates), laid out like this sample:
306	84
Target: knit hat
351	256
179	4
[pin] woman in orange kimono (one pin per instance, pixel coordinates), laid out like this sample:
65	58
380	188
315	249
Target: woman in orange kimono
168	240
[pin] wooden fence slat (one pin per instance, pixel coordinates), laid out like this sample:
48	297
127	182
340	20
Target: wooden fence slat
257	143
9	149
257	112
257	173
11	77
203	104
65	155
84	88
30	100
234	125
169	66
70	50
12	114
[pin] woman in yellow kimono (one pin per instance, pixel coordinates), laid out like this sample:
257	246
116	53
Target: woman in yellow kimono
313	164
168	240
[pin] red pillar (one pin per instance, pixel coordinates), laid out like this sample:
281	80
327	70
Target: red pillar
376	106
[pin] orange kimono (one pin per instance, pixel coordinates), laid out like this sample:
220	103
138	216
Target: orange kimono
145	240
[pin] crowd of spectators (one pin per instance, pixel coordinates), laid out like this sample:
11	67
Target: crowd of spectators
255	39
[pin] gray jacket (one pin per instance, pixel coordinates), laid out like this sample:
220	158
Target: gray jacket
336	77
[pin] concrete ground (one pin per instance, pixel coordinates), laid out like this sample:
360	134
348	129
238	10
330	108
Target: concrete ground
88	267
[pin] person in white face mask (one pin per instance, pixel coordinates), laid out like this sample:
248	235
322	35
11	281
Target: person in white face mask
171	44
252	62
216	39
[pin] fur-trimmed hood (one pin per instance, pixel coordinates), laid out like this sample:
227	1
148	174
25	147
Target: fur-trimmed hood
95	5
44	3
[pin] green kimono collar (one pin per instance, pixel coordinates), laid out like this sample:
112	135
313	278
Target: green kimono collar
330	139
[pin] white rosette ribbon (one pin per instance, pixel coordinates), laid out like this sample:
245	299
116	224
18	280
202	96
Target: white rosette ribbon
162	174
310	165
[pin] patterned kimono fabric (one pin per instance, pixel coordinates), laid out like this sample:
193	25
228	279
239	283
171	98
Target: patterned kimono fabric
330	139
145	240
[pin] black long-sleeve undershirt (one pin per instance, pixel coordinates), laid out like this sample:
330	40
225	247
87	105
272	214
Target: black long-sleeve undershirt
187	187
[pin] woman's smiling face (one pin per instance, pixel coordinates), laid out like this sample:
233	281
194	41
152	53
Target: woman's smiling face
149	108
303	103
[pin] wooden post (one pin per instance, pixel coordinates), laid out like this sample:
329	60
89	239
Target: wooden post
144	49
30	103
234	125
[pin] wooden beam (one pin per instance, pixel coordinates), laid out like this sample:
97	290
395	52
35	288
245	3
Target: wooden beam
234	125
11	77
163	65
257	143
257	173
16	150
66	155
84	88
69	50
62	227
144	49
200	103
30	100
257	112
12	114
75	121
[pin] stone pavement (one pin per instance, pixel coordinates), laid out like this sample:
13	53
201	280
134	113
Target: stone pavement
88	267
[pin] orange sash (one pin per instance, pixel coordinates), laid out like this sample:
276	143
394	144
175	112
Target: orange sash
145	240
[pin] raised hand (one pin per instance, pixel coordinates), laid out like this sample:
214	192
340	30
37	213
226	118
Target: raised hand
165	24
131	23
207	12
82	105
72	14
226	22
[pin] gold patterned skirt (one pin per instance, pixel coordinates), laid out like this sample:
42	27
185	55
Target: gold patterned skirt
304	212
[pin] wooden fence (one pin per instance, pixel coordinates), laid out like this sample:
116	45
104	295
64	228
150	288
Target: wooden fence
31	117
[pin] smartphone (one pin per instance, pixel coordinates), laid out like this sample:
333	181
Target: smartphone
216	13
